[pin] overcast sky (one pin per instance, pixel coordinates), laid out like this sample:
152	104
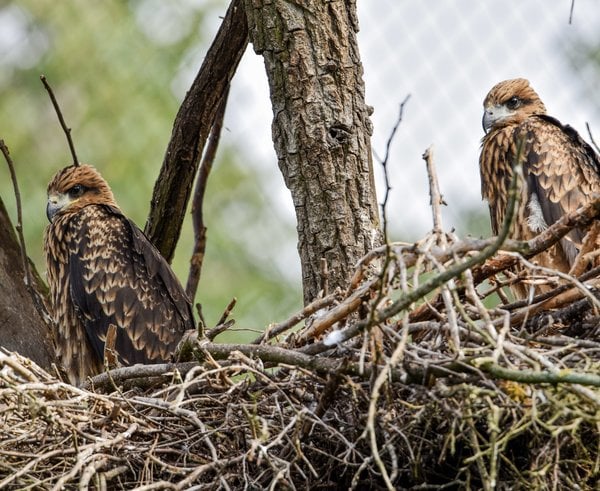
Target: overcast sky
446	54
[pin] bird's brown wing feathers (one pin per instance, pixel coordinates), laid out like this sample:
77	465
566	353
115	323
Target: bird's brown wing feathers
118	277
498	154
561	170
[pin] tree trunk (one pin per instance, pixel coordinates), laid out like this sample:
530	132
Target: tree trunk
23	327
321	130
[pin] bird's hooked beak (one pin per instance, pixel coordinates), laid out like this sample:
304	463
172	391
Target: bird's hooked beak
56	202
487	121
493	114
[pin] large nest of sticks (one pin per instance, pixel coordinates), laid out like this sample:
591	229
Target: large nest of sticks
405	380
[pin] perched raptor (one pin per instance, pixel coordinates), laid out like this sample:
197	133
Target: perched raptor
560	170
102	270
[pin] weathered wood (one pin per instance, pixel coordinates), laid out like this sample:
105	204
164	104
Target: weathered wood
23	327
191	130
321	130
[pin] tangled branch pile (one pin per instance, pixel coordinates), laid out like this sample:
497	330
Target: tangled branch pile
406	379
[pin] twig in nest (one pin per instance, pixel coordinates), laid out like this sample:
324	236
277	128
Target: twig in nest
370	430
408	298
107	380
310	309
64	126
265	352
338	313
19	227
436	199
589	245
227	310
218	329
208	159
538	377
223	324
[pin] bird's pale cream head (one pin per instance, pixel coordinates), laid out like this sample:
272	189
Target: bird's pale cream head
510	102
74	187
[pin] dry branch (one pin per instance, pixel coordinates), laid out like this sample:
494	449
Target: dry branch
61	119
191	130
361	397
277	329
19	226
197	258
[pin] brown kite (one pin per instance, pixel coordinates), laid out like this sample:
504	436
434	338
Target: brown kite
103	271
560	170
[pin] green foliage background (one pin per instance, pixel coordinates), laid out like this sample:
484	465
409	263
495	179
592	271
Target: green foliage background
117	69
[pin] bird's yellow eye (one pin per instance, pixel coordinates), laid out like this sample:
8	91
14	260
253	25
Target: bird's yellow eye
76	191
513	103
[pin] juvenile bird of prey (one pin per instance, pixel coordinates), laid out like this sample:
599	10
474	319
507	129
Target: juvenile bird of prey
103	271
560	170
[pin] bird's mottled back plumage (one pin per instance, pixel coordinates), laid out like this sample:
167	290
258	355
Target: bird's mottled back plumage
561	171
102	270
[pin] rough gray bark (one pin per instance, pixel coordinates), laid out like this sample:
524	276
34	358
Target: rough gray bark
321	130
23	328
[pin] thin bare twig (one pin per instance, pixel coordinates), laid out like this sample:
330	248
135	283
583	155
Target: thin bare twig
540	377
208	159
218	329
63	125
223	324
227	311
571	12
19	226
385	268
436	199
384	165
589	130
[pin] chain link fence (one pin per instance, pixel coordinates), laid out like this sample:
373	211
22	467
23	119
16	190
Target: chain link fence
446	55
121	69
